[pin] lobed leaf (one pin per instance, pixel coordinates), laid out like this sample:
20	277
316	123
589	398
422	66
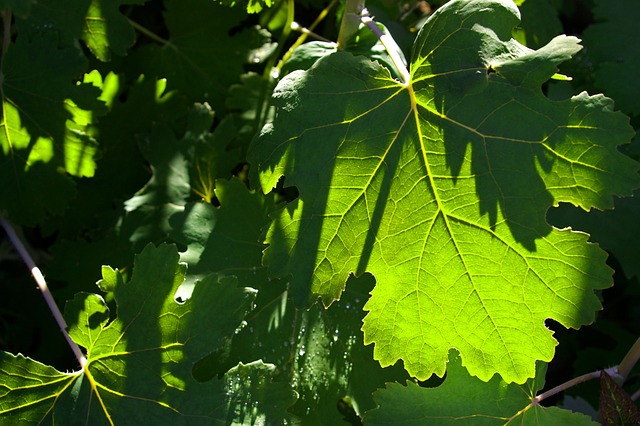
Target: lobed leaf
43	136
139	364
192	62
616	58
440	187
100	24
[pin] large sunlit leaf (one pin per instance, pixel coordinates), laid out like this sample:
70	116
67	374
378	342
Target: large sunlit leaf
440	187
464	400
139	364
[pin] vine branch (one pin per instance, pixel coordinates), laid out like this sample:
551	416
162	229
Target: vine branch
42	285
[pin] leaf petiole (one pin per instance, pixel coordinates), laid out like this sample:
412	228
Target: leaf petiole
42	285
618	373
388	43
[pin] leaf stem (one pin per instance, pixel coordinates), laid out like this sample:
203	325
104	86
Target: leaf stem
629	361
573	382
42	285
350	22
387	42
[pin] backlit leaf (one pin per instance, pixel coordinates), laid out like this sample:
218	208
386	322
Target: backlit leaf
139	364
440	187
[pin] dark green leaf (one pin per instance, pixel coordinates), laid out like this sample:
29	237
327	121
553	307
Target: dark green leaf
616	406
42	143
99	23
616	58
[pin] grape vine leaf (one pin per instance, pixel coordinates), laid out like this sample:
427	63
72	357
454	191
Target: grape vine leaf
138	368
616	60
440	187
540	22
615	230
100	24
327	359
464	400
223	239
42	144
190	60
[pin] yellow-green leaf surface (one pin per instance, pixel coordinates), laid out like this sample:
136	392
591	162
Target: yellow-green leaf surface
139	364
440	187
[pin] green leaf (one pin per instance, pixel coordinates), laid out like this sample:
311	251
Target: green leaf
616	58
225	239
540	22
325	359
252	6
464	400
139	364
98	23
616	406
169	183
615	230
20	8
41	143
440	188
190	60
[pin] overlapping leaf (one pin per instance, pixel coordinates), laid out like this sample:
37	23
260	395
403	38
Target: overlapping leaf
192	61
99	23
463	400
139	364
42	138
616	58
440	189
320	351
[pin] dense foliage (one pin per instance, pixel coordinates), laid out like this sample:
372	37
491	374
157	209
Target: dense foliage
249	223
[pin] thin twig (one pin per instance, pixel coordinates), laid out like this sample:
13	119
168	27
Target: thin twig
42	285
153	36
575	381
